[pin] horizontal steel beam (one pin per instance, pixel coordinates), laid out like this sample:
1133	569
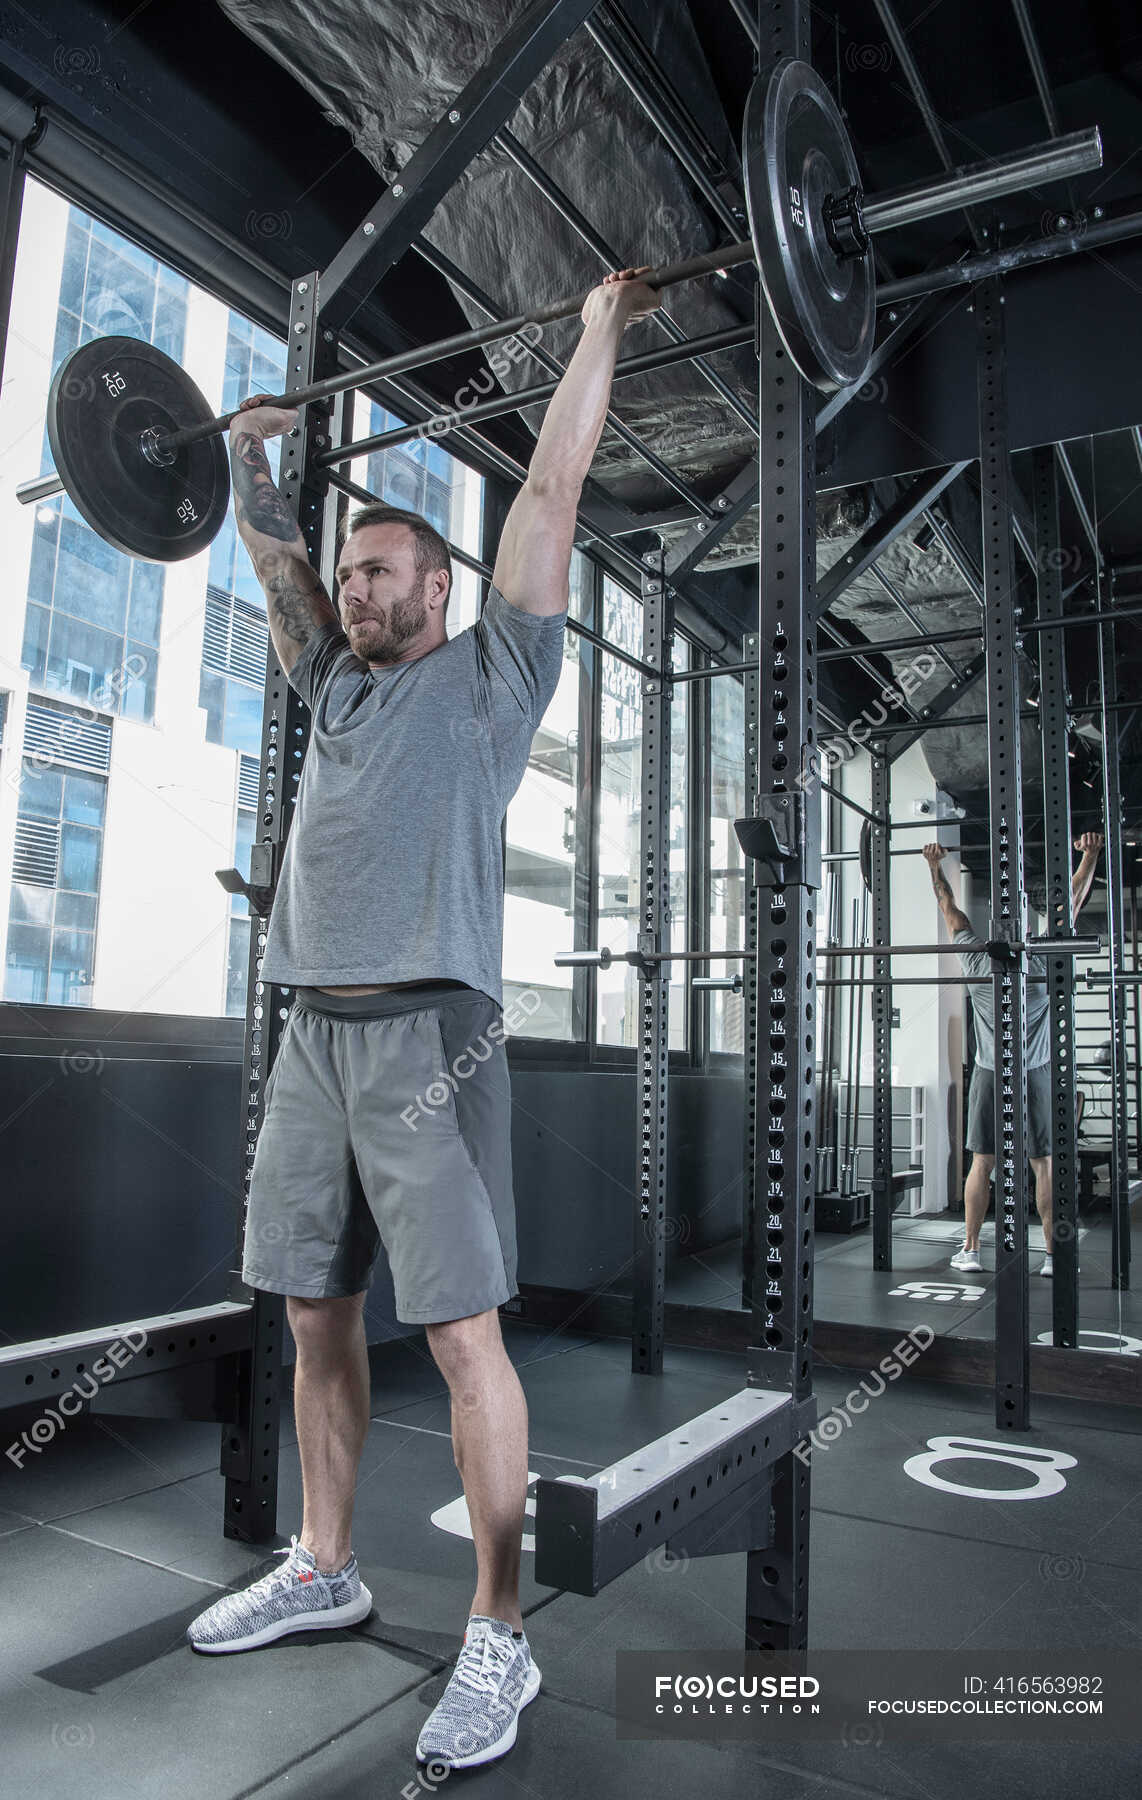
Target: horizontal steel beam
44	1367
882	646
895	981
873	542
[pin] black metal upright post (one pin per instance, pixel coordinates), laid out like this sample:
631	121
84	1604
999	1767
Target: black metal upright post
12	171
750	1200
1136	1003
881	1014
780	1356
1008	901
250	1447
1060	922
648	1300
1115	997
586	898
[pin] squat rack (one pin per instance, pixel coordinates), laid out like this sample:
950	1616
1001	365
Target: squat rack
246	1332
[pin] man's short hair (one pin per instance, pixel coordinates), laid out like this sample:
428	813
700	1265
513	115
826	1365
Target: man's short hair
430	550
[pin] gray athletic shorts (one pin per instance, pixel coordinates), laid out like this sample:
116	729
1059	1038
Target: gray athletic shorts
387	1121
981	1111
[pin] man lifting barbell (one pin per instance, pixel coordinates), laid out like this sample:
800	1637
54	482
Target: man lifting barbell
388	923
981	1092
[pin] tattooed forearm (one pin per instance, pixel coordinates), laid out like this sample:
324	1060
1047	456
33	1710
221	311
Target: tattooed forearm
257	503
953	917
296	599
296	602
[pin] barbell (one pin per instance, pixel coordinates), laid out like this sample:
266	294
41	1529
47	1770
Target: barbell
140	455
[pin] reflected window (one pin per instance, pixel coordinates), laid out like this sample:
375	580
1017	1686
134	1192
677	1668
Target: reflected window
539	885
238	931
727	894
618	830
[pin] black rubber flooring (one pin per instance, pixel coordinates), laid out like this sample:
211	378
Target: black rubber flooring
111	1541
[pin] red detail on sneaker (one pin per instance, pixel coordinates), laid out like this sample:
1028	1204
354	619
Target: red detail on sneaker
305	1575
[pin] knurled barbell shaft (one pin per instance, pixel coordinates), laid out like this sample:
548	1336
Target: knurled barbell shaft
726	257
1054	160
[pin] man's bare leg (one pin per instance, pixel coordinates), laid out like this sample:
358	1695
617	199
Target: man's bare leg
976	1196
1044	1195
331	1407
489	1443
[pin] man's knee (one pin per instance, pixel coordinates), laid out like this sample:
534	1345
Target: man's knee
460	1345
981	1163
325	1324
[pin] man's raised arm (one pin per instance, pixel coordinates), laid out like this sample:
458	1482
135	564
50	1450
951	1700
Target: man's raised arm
534	558
296	602
953	917
1090	843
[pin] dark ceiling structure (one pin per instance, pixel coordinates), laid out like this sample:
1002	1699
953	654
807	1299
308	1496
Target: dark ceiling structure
247	150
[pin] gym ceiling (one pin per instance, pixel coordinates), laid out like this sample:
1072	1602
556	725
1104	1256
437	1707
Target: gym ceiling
272	144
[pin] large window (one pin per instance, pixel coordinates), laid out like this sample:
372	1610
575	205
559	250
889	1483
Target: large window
135	695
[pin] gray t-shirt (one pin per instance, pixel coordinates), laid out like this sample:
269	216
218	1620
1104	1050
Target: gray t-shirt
976	961
393	867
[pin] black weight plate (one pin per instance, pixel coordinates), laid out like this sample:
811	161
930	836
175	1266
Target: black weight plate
796	153
103	397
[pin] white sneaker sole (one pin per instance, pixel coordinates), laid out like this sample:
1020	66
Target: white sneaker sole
502	1744
331	1618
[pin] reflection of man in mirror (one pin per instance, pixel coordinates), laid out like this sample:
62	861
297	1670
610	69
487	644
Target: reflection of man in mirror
981	1094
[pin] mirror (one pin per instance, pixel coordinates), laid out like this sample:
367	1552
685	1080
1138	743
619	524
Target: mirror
927	587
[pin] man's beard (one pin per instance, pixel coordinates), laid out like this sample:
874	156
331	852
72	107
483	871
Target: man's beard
385	640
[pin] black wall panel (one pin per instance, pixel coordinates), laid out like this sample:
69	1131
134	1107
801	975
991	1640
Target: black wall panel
118	1182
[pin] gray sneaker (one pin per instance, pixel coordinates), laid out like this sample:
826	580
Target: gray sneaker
294	1597
967	1261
